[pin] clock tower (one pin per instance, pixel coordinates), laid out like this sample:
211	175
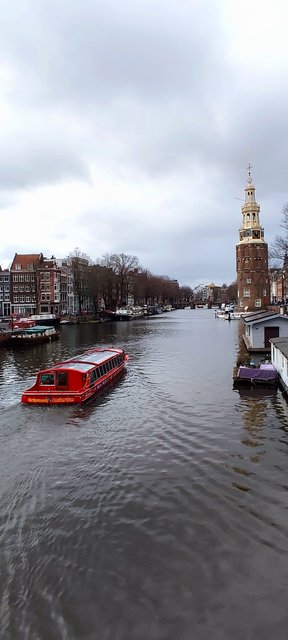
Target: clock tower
253	291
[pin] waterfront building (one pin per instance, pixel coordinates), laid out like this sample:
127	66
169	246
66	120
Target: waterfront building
253	287
68	303
49	281
5	302
35	285
24	283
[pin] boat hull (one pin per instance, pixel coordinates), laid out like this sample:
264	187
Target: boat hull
16	341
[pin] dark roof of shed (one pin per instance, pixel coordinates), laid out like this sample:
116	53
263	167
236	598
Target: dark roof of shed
281	344
262	315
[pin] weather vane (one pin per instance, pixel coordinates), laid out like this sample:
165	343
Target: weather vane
249	169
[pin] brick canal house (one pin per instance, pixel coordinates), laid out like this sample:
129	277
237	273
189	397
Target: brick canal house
253	288
35	284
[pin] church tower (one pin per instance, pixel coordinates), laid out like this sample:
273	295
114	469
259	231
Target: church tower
252	256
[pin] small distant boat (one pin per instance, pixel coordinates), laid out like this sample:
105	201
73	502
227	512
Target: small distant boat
263	375
32	335
76	380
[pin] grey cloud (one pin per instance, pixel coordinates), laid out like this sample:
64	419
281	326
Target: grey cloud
37	164
146	88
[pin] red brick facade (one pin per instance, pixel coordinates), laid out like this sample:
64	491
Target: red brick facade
253	285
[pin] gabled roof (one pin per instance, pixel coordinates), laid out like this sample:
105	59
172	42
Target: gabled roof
261	316
281	344
24	259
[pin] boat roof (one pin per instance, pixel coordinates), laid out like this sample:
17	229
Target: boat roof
87	360
261	316
36	329
281	344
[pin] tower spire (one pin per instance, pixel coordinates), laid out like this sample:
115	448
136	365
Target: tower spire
249	173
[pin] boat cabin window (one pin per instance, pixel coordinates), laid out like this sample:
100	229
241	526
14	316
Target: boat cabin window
62	379
47	379
93	376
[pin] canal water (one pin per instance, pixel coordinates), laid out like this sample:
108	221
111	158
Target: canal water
156	512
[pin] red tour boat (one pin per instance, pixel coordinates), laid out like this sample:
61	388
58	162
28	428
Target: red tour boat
76	380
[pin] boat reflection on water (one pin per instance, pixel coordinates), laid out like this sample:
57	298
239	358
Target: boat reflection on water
256	393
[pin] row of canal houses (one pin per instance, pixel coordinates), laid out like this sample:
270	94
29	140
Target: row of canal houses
26	289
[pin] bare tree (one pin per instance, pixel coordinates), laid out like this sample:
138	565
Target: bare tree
279	248
123	267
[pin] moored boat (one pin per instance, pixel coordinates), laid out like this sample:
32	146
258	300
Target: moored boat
263	375
46	319
76	380
32	335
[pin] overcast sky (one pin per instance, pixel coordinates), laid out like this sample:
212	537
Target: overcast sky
127	126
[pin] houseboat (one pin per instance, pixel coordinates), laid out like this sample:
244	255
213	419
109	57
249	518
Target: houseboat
32	335
279	358
261	327
264	375
76	380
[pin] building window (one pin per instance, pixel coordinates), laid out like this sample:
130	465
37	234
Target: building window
21	288
21	278
27	277
15	287
18	267
6	278
6	288
16	299
258	302
22	299
28	299
246	293
248	280
15	278
6	297
264	292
